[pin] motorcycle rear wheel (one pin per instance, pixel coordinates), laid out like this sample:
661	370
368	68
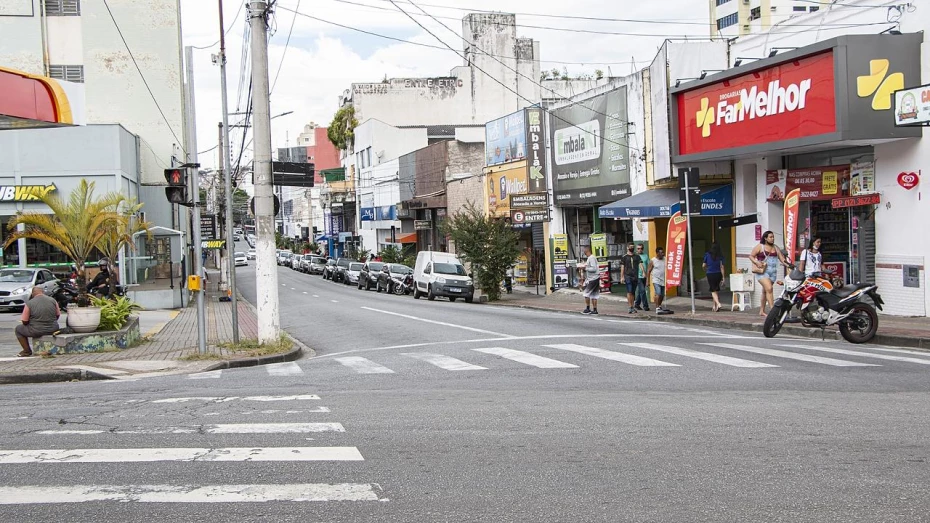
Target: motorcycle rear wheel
774	321
861	324
398	289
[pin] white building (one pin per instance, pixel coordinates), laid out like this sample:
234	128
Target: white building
78	41
731	18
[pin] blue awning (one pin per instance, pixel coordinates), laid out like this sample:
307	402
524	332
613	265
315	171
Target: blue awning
322	238
657	203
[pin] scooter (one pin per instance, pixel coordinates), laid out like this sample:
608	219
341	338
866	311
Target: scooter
402	286
822	304
65	294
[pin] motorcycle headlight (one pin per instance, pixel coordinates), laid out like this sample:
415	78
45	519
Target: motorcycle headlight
21	290
440	280
791	284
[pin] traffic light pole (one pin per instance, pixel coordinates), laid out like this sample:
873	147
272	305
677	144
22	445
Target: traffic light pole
265	267
196	240
230	243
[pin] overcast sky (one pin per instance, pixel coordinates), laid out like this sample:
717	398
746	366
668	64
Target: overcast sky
322	60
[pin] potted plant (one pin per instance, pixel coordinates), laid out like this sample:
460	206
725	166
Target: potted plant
75	227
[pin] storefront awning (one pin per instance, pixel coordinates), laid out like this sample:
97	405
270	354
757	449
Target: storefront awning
657	203
407	238
322	238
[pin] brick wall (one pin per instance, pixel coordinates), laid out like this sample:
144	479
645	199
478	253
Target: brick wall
459	192
900	300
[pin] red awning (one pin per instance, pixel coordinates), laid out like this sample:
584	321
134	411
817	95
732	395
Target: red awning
407	238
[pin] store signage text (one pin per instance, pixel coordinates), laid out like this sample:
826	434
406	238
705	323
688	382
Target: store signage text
908	180
525	201
529	216
536	146
856	201
787	101
25	193
422	225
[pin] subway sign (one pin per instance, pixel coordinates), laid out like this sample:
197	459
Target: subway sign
25	193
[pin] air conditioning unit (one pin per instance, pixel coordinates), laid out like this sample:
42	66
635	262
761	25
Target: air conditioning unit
745	27
745	2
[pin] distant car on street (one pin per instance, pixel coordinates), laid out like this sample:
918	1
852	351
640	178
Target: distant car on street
317	265
352	272
339	272
16	285
240	259
389	273
329	269
251	254
368	277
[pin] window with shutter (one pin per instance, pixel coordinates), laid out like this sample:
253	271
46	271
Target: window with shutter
68	73
62	7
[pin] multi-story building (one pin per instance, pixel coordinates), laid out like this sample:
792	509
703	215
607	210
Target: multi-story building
729	18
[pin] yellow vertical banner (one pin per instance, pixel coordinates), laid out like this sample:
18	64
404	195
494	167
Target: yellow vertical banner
599	249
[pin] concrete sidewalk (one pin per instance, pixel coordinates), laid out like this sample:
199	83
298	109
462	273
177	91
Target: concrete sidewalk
892	330
168	337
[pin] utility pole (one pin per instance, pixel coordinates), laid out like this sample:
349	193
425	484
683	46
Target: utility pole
197	261
266	270
230	244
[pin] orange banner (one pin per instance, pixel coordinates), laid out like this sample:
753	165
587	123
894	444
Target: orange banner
675	247
792	202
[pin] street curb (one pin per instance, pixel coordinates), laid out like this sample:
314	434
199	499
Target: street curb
306	350
51	376
291	355
803	332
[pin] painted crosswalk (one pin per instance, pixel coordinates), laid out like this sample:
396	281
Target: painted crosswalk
223	428
790	355
442	361
629	359
363	365
706	356
527	358
284	369
140	455
847	352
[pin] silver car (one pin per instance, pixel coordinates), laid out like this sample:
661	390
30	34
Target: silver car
352	272
16	285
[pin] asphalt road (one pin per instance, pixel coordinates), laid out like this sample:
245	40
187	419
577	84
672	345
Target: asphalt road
438	411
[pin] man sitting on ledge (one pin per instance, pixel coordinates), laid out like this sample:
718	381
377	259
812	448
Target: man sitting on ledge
40	318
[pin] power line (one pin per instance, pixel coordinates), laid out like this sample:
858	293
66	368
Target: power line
128	50
286	43
214	44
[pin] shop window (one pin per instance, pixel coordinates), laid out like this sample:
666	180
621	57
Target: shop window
834	157
62	7
68	73
800	9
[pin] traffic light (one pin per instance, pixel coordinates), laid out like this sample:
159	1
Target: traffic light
177	186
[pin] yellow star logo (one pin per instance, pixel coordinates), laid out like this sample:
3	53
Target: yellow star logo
705	116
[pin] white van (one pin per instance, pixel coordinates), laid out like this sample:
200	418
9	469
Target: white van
441	274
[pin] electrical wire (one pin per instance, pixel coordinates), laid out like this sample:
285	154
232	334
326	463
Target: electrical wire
144	81
216	43
284	54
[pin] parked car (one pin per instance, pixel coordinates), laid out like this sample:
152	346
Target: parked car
16	285
240	259
339	273
317	265
350	274
284	257
368	277
251	254
294	262
441	274
237	237
329	269
304	265
389	273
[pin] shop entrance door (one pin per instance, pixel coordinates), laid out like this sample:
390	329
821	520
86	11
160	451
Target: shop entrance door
863	244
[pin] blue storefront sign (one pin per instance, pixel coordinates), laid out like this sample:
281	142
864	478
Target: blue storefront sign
657	203
717	202
367	214
385	212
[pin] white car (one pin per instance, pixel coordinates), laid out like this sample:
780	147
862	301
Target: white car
240	259
251	254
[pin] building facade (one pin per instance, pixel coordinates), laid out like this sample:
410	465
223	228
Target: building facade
731	18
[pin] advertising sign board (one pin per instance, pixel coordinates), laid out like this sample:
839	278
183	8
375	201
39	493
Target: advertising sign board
505	139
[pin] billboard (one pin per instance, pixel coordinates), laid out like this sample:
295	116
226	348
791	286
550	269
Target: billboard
536	149
590	151
505	139
500	185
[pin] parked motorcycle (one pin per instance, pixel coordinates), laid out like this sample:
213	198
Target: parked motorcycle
822	305
65	294
403	286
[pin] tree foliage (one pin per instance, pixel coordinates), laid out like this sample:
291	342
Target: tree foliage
391	254
120	232
341	130
488	245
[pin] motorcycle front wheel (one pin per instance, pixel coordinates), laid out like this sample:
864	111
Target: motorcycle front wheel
398	289
774	321
861	324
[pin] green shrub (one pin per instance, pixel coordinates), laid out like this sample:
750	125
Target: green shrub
115	312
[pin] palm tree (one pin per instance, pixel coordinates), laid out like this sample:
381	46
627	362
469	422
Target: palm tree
76	226
120	232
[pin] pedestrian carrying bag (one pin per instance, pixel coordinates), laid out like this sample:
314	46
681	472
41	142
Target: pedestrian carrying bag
757	270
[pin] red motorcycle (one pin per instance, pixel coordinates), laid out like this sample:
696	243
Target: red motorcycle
823	304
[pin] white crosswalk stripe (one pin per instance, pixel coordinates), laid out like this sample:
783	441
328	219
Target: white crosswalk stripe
284	369
706	356
213	374
527	358
791	355
223	428
612	355
442	361
222	399
34	495
252	454
886	357
363	365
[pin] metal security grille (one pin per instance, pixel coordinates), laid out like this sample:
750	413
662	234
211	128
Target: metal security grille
68	73
62	7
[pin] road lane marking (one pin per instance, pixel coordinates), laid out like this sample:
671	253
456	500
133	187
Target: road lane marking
442	361
859	353
334	301
180	454
316	295
364	365
417	318
305	292
213	374
611	355
222	399
44	494
223	428
706	356
792	355
284	369
527	358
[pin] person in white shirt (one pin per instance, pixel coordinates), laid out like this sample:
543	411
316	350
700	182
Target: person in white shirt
592	282
655	273
812	258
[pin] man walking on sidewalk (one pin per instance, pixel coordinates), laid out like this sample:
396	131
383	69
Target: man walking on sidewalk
642	293
629	274
592	282
656	274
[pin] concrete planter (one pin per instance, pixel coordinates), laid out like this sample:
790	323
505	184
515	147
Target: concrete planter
83	319
90	342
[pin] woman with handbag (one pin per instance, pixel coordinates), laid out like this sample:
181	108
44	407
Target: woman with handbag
765	258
